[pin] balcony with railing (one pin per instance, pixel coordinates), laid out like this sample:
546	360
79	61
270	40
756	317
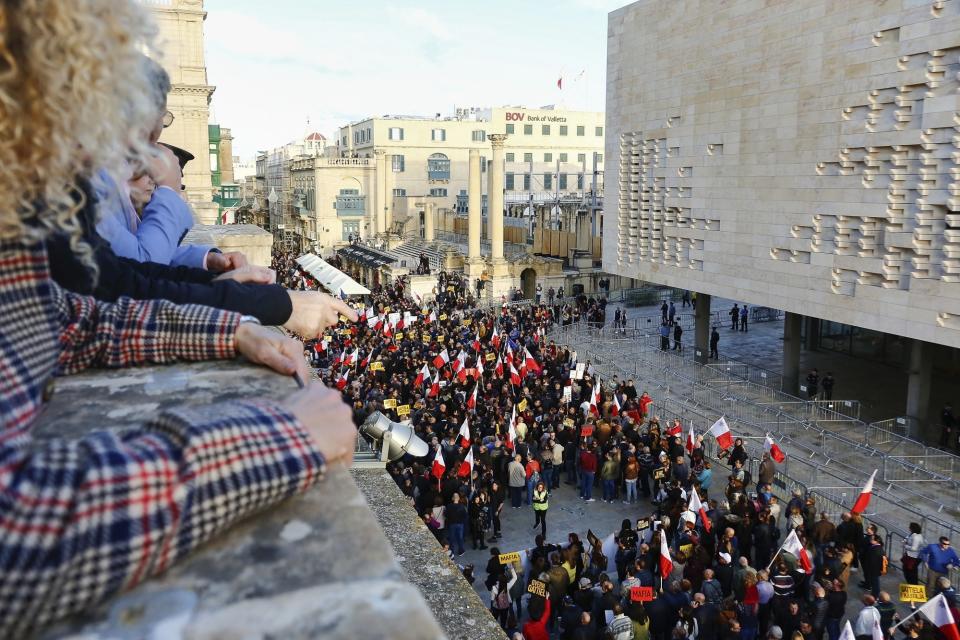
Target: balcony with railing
351	205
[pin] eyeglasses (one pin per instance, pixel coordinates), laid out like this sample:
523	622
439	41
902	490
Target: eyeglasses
167	119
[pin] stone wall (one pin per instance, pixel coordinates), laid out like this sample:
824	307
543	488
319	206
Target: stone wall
796	155
250	239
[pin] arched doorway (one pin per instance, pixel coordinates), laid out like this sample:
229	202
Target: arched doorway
528	283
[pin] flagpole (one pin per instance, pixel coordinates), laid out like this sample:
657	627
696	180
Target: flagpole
775	557
915	612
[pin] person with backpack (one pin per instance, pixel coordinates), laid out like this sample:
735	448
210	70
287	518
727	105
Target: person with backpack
500	599
541	502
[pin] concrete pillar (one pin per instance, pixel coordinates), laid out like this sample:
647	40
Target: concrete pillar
812	331
388	193
918	383
428	233
791	352
495	197
379	175
474	206
701	330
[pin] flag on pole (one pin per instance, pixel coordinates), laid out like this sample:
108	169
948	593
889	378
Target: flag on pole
442	358
342	382
460	362
438	465
560	83
847	633
339	359
476	343
423	375
721	432
595	399
432	317
511	431
691	440
435	387
876	632
696	506
794	547
864	498
472	400
495	339
465	433
466	467
530	362
615	407
498	368
937	611
775	452
478	370
514	376
509	357
666	564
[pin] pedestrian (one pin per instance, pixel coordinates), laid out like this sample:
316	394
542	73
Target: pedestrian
677	335
813	379
517	481
456	517
539	292
866	619
588	471
664	336
939	558
541	502
948	426
913	546
685	300
714	342
744	314
671	313
500	600
827	385
734	317
663	311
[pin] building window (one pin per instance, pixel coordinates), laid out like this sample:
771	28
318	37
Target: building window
438	166
509	128
581	130
510	157
528	157
438	135
563	181
369	135
438	193
398	164
399	193
563	129
563	157
528	129
548	181
580	181
395	133
526	182
349	230
214	161
545	129
599	157
599	131
509	181
344	140
483	164
581	158
479	136
548	157
350	203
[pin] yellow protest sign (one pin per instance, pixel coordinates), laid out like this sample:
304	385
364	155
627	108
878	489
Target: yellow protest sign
426	338
491	357
913	593
344	332
403	410
399	335
686	550
467	321
390	403
443	316
376	366
450	287
568	422
523	405
507	558
441	339
386	309
537	588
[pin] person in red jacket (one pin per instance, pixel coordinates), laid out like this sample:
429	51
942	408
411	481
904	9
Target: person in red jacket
537	629
588	470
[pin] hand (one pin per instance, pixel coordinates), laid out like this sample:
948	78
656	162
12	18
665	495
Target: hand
164	169
270	348
220	262
314	311
328	421
250	273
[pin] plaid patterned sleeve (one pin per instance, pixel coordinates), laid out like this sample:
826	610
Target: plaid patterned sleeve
130	332
82	520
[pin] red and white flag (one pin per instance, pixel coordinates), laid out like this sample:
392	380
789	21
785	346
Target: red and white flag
509	357
472	400
514	376
374	322
495	339
666	564
794	547
462	374
339	358
721	432
864	498
937	611
466	467
530	362
775	451
442	359
423	375
697	507
351	358
435	387
432	317
460	362
498	368
691	440
847	633
465	433
511	431
478	370
476	343
342	381
615	407
439	466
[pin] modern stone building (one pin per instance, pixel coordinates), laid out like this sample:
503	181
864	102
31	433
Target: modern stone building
795	155
180	24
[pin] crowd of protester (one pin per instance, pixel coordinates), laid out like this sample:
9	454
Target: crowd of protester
509	417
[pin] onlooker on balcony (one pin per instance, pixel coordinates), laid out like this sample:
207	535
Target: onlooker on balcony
81	520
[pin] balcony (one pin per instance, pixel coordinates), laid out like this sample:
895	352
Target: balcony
351	205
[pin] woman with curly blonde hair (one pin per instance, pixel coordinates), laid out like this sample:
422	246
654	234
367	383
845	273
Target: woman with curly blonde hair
82	520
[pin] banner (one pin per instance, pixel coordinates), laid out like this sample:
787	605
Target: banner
403	410
390	403
913	593
586	431
537	587
508	558
376	366
641	594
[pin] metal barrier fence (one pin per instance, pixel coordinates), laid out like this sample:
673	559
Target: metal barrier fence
901	425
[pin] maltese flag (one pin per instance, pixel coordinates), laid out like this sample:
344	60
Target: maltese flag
442	359
472	400
775	452
691	439
697	507
595	399
864	498
514	376
509	356
495	339
460	362
721	432
938	612
511	431
847	633
476	343
439	466
794	547
342	382
466	467
530	362
478	370
435	387
498	368
465	433
423	375
432	317
615	407
666	564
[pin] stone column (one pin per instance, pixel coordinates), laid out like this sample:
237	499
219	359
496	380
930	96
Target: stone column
474	206
791	352
918	385
379	176
388	194
428	233
701	329
495	197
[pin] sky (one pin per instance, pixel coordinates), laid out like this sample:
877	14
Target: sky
275	65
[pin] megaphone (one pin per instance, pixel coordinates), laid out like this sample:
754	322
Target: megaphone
402	439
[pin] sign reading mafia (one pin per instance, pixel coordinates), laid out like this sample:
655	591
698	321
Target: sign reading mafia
520	116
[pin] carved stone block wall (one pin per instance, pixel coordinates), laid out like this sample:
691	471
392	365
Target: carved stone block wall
803	156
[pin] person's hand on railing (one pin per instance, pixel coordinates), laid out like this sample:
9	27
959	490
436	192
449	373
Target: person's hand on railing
327	419
262	345
250	273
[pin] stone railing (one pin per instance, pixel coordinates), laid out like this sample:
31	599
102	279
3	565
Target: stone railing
315	566
249	239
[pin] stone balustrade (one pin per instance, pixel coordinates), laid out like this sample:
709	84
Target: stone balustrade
249	239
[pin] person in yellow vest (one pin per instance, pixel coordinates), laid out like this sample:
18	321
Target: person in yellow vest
541	499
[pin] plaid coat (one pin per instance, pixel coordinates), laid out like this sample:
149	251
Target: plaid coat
82	520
